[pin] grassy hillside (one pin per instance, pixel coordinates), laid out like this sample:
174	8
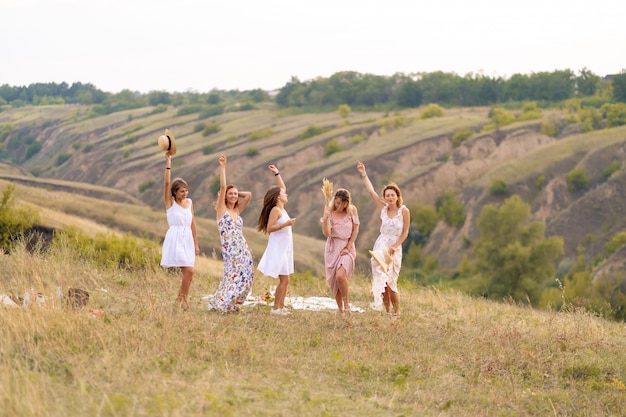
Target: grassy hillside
448	355
118	152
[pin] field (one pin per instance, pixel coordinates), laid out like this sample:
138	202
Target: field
448	355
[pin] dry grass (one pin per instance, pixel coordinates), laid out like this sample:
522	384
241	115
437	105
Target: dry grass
449	355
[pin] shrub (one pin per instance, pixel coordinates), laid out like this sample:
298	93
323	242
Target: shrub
577	179
199	127
548	128
331	147
615	114
210	129
311	131
461	136
208	149
616	242
498	187
613	167
590	118
260	134
211	111
499	117
14	222
145	185
540	182
110	251
252	152
431	110
215	185
343	110
61	158
530	111
160	108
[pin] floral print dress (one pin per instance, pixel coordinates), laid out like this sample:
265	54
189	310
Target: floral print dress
236	281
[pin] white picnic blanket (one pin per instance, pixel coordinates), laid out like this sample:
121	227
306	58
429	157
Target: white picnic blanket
298	303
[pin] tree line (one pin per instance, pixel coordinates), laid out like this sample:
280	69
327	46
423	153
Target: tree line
348	87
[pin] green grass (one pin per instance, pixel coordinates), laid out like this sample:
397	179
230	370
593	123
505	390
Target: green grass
449	355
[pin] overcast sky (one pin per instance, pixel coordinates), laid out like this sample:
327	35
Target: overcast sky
180	45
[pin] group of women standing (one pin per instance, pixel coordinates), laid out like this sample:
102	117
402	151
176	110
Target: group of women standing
340	225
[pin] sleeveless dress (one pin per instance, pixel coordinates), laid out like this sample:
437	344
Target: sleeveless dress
390	231
178	246
278	256
236	281
340	232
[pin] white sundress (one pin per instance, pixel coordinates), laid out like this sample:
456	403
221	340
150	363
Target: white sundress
178	246
390	231
278	256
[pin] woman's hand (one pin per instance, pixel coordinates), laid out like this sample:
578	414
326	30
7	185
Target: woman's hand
222	160
361	168
273	169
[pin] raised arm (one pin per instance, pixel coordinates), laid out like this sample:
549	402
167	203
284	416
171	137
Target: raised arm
360	166
279	178
220	206
244	200
167	192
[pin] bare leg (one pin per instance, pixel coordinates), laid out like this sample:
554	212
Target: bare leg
395	301
387	299
342	291
281	292
183	292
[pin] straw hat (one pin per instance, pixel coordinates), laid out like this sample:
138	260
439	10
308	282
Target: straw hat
167	142
383	258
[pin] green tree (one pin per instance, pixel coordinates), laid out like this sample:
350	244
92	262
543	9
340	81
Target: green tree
619	87
409	94
450	210
513	257
615	114
343	110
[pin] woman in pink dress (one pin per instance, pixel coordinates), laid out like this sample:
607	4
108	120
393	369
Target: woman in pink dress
340	225
394	229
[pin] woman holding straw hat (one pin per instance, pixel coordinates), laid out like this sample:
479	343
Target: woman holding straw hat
387	253
236	281
340	225
180	246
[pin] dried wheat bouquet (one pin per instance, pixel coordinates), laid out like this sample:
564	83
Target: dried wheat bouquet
327	189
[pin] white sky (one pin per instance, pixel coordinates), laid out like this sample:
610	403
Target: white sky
181	45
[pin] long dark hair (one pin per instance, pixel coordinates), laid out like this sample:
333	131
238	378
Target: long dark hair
269	201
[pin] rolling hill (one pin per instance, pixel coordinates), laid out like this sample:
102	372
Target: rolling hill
102	167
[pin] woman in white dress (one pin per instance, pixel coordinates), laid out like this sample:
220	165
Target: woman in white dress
277	260
180	245
394	229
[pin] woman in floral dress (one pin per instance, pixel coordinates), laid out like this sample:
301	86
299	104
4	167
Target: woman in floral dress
394	229
236	281
340	225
